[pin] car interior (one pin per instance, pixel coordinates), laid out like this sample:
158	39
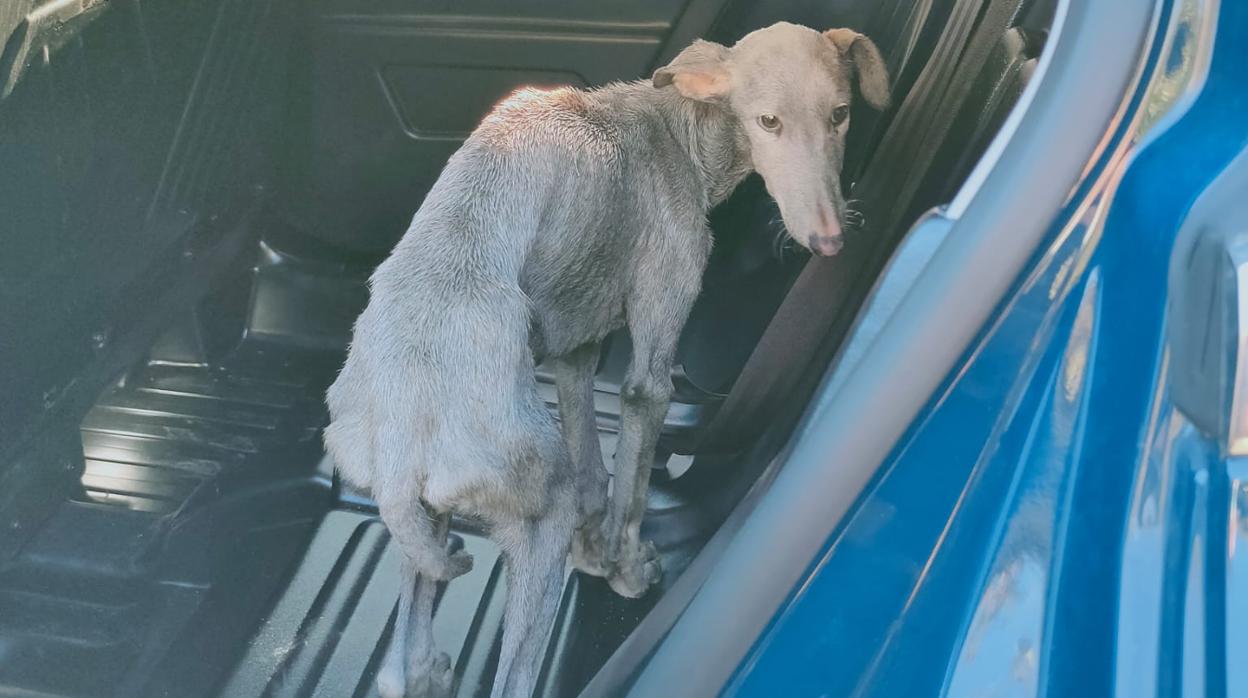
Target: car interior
194	196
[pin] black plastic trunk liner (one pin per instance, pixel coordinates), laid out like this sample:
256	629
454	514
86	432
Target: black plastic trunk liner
209	552
327	633
194	480
165	430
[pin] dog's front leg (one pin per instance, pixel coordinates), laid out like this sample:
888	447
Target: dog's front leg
656	316
644	398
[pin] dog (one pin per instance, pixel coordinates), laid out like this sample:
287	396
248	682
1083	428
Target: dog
566	215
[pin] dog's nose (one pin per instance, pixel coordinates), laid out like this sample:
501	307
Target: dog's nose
827	240
826	245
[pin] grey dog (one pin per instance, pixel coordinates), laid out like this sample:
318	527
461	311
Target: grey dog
568	214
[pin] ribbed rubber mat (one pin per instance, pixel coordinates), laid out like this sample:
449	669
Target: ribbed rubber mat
326	635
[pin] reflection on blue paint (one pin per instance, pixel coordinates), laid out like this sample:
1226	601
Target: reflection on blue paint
1001	652
1051	524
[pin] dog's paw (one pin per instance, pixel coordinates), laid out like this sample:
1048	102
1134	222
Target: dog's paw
390	682
636	572
458	564
431	676
449	567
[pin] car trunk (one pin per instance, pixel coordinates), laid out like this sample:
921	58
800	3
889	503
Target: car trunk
192	197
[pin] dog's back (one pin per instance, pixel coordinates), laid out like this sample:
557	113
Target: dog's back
438	395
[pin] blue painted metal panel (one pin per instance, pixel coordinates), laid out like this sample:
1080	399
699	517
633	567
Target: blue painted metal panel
1051	524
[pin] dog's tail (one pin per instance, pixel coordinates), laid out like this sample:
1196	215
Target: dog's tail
350	437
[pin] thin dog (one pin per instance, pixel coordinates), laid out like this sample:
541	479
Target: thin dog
568	214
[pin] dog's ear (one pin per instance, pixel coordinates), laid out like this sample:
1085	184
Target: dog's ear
700	72
868	64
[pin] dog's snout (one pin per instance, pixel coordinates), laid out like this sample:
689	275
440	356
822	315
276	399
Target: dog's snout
829	225
827	240
826	245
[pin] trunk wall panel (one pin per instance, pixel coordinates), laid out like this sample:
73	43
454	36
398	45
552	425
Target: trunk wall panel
392	89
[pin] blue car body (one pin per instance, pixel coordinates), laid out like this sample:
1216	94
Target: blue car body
1052	523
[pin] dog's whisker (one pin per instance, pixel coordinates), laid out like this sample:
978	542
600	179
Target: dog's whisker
781	239
777	241
791	245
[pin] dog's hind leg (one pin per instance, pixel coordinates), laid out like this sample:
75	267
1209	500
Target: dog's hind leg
412	665
574	378
392	677
536	553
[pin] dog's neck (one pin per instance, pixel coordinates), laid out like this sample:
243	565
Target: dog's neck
713	139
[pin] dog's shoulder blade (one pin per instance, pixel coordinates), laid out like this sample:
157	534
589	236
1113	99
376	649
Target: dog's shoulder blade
558	125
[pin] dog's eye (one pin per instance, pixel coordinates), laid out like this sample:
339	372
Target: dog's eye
840	114
769	122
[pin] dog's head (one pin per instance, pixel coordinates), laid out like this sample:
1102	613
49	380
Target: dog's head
791	87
